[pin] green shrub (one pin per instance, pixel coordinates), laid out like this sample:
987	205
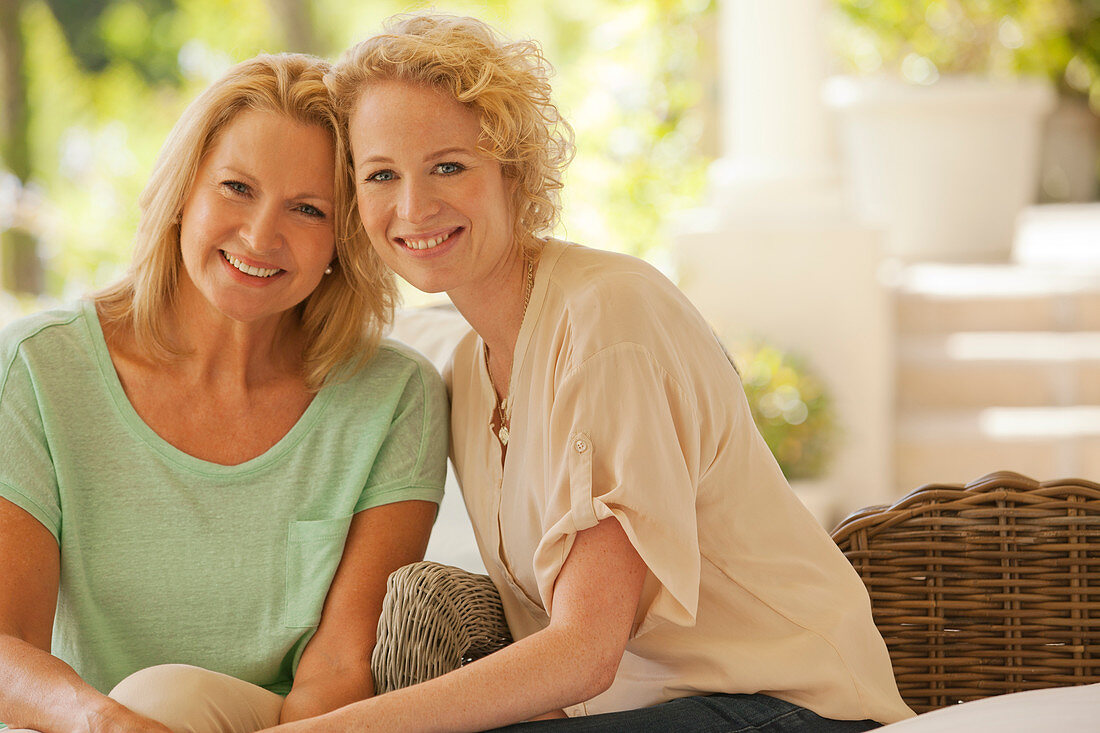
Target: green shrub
921	39
791	408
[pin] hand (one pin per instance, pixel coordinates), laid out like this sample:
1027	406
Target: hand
336	721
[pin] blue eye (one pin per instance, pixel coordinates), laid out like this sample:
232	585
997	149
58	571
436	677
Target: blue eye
311	211
381	176
236	186
449	169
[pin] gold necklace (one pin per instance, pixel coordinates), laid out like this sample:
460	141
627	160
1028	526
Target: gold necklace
502	409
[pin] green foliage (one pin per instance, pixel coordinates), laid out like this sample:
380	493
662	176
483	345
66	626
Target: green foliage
790	407
636	106
921	39
104	32
108	78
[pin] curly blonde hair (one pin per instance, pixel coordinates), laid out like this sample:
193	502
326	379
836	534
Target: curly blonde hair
506	83
344	317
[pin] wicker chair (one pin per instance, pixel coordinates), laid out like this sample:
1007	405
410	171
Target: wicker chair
978	590
983	589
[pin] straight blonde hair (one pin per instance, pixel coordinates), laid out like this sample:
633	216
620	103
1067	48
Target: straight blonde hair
344	317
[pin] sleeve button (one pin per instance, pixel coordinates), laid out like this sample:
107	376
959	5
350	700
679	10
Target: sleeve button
580	445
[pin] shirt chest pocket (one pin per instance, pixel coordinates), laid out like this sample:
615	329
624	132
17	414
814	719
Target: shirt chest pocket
313	552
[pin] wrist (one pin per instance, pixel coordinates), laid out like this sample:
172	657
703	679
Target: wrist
103	714
315	696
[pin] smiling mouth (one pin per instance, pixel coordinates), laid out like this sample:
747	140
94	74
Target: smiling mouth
249	269
427	242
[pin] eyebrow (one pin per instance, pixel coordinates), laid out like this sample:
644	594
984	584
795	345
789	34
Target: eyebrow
233	172
374	159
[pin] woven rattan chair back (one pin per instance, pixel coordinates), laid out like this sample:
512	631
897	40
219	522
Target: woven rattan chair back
983	589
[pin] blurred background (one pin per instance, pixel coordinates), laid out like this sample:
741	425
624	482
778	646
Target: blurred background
883	206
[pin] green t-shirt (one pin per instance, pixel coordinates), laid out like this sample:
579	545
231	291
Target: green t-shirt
167	558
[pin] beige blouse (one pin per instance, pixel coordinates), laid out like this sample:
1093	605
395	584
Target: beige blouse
625	405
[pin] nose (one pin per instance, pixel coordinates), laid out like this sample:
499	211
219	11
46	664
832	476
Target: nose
261	230
418	202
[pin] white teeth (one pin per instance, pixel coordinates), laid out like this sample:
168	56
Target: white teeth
249	269
425	243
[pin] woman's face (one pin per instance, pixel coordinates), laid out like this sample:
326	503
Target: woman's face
437	210
256	232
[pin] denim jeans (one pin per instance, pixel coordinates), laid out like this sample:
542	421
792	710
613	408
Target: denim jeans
702	714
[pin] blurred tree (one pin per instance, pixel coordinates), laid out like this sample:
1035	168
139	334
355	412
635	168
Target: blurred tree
14	126
98	33
998	37
295	19
79	21
20	268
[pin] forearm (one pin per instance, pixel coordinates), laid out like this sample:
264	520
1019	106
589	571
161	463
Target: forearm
321	693
548	671
542	673
39	691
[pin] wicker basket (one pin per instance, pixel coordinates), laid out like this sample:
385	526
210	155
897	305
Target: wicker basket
435	618
983	589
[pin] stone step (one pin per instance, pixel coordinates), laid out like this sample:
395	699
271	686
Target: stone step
1058	234
959	445
941	298
990	368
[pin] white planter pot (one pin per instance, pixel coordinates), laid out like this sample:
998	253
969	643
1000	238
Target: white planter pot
944	168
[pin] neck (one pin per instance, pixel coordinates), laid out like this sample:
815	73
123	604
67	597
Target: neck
495	310
220	351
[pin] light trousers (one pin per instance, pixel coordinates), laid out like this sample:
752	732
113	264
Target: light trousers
193	700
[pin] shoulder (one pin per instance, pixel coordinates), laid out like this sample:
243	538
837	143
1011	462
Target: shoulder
394	369
592	272
48	334
604	299
45	324
397	353
595	282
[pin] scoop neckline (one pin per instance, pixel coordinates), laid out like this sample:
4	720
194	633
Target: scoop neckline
150	437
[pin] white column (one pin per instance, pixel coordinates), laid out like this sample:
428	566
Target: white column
774	124
776	254
776	134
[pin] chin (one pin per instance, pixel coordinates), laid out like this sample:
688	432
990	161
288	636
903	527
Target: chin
425	282
245	312
430	288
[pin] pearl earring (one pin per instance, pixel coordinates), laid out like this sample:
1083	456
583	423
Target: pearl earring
328	270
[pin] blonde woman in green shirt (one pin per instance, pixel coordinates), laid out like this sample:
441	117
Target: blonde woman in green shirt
208	471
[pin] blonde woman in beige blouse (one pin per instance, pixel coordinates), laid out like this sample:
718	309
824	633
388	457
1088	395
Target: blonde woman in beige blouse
657	572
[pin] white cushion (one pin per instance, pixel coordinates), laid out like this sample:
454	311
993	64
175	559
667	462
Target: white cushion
1060	709
433	330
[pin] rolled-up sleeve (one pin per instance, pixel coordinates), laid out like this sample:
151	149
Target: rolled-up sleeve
622	437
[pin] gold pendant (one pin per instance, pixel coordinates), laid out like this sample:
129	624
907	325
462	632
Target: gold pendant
503	434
